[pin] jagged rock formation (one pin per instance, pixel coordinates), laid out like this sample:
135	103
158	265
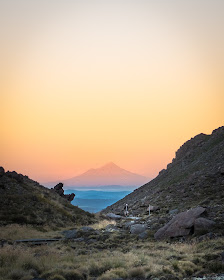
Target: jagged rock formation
59	190
25	201
194	178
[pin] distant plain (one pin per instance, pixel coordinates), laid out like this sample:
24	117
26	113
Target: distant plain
94	201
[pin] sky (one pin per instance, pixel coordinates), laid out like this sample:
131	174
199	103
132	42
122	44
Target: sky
86	82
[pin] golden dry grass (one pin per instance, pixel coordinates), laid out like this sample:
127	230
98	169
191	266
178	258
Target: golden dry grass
59	261
14	232
103	223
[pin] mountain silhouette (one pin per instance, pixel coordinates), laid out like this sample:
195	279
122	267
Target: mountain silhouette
108	175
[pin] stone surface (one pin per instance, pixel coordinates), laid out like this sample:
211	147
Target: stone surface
111	228
143	235
180	225
138	228
86	229
203	224
173	211
69	197
70	234
128	224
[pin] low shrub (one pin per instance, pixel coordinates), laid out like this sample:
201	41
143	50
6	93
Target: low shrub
18	274
73	275
57	277
137	272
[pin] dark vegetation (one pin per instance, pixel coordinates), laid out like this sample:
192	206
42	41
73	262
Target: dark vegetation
24	201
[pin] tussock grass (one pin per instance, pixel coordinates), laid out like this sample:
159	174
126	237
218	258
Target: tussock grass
103	223
146	259
15	231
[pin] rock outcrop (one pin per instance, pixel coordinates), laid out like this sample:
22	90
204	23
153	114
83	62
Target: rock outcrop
2	171
185	223
59	190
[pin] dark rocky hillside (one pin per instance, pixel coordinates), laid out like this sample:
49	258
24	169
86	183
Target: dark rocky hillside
24	201
194	178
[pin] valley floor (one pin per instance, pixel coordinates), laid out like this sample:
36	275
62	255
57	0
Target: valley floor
102	253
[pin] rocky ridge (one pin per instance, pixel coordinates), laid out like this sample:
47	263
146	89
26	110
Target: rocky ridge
195	178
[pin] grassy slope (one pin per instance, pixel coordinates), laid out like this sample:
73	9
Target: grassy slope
24	201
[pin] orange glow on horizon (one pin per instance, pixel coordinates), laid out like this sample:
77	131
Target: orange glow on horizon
88	82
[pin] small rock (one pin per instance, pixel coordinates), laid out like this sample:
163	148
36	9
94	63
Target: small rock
173	212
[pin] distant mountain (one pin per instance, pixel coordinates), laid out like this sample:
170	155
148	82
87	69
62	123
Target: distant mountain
107	175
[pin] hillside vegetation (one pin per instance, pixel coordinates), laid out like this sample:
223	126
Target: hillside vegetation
24	201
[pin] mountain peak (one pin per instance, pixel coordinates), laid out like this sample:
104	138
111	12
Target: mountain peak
109	174
110	165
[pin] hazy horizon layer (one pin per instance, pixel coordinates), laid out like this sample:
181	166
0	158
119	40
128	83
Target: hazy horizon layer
94	201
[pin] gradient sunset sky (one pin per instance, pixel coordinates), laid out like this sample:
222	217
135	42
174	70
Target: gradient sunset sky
86	82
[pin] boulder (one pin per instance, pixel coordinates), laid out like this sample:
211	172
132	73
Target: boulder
201	224
143	235
138	228
180	225
128	224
